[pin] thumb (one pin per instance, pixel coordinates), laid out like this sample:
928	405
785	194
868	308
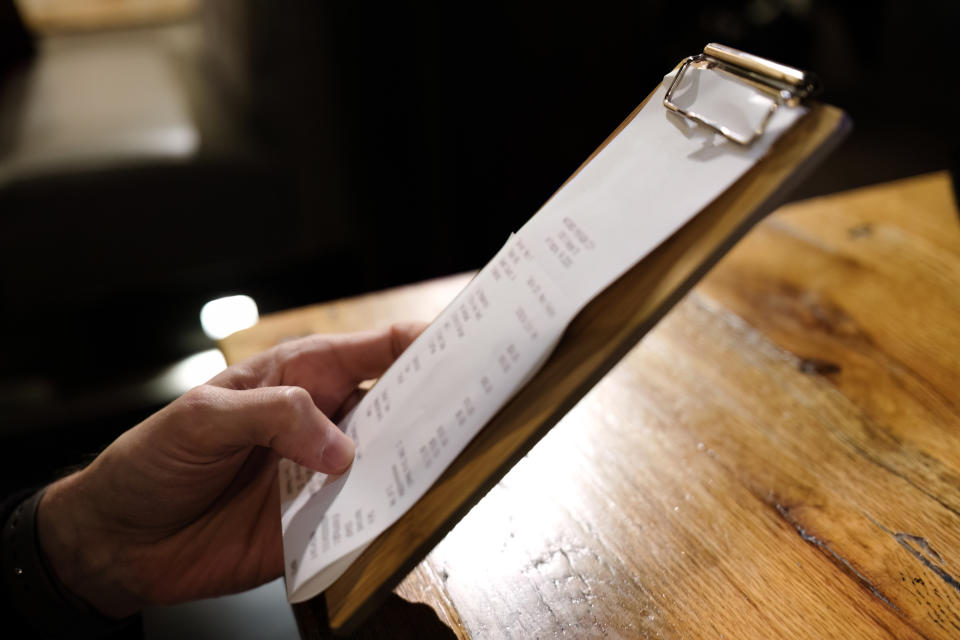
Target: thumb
283	419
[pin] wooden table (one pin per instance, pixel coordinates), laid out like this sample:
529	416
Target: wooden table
67	16
778	458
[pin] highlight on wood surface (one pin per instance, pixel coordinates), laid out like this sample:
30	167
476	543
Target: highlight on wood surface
602	333
779	457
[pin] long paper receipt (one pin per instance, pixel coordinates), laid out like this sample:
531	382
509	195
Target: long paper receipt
636	192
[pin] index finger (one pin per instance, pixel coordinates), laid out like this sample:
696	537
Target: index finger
331	366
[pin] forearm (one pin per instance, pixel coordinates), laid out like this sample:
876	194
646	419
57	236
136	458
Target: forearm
32	590
80	553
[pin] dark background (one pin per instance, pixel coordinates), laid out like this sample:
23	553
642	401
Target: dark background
347	147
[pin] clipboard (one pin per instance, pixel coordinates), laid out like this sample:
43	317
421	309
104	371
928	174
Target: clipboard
605	330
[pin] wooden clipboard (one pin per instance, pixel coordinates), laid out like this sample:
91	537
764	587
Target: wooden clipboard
601	334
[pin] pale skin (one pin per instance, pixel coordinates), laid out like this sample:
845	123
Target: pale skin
185	505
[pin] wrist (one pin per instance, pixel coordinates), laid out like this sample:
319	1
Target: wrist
80	552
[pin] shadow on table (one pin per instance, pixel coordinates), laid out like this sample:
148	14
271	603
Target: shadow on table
396	618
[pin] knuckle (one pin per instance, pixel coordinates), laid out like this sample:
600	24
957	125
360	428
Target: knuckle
200	399
297	401
293	350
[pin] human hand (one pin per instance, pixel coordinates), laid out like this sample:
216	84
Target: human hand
186	504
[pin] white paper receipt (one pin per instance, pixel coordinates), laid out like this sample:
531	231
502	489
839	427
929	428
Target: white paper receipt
643	186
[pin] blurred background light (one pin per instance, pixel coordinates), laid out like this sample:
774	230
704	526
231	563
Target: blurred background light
223	316
190	372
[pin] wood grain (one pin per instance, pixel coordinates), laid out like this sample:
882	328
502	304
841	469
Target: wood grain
600	335
64	16
778	457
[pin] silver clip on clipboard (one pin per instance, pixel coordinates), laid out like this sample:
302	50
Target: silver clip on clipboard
774	83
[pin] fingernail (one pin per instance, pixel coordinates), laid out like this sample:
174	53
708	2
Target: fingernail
338	454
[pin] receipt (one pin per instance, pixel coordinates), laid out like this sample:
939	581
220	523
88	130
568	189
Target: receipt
635	193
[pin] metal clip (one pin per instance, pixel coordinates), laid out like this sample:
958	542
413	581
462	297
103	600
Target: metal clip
782	84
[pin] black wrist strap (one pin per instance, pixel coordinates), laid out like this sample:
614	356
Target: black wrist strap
34	590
